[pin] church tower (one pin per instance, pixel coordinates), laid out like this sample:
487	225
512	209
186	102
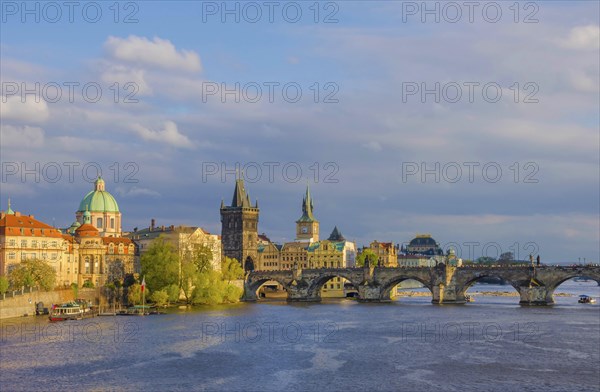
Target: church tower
239	227
307	227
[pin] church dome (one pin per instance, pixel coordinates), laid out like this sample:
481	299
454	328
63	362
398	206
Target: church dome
423	240
99	200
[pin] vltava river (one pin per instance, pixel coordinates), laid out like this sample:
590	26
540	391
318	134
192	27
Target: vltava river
492	344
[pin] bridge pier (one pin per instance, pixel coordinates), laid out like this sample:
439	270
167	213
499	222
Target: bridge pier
370	293
447	294
535	295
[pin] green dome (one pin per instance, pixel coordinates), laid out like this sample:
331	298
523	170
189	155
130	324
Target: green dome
99	200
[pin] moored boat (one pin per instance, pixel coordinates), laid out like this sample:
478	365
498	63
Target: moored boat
586	299
64	312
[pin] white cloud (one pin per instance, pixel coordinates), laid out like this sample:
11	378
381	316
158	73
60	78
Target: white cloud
158	52
373	146
169	135
21	136
136	192
29	111
124	75
583	38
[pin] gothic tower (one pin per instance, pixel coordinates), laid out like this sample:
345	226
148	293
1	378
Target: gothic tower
307	227
239	227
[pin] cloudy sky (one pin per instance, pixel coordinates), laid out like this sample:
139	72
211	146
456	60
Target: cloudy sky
480	127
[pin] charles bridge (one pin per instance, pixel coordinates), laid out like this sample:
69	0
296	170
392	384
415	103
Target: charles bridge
448	284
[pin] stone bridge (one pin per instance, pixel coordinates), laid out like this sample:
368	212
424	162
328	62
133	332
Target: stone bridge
448	284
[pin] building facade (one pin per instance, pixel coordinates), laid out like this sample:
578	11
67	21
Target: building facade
387	255
183	239
90	251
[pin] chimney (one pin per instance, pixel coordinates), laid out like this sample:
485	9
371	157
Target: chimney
31	216
152	224
17	213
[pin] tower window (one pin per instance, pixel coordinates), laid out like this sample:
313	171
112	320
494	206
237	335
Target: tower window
112	223
99	223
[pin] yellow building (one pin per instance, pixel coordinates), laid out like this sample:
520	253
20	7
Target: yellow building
24	237
183	238
386	253
79	256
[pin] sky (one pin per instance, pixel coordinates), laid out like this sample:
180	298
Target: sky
479	126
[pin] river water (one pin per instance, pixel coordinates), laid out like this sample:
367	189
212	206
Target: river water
492	344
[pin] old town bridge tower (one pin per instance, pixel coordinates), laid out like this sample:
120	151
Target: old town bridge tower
239	227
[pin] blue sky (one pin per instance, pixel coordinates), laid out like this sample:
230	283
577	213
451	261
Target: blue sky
368	58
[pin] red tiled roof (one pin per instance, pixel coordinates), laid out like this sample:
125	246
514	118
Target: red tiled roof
26	225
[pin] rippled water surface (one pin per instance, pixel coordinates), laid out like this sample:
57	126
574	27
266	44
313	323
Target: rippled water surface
492	344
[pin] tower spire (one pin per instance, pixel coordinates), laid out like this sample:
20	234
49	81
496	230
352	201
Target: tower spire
9	211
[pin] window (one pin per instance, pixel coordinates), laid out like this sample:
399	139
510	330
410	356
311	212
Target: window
44	244
12	256
87	264
112	223
12	242
34	244
99	223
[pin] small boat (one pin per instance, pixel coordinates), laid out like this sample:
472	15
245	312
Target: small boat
64	312
469	298
586	299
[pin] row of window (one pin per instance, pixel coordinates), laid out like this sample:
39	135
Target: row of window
34	243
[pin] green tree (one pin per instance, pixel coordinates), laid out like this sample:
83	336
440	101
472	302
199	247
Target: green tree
196	261
160	264
88	284
3	284
134	294
160	298
366	254
173	292
231	269
75	289
506	258
31	273
485	260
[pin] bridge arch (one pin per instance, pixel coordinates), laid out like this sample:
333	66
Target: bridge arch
318	282
257	282
469	283
554	285
386	288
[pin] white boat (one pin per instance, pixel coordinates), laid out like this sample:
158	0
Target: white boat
64	312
